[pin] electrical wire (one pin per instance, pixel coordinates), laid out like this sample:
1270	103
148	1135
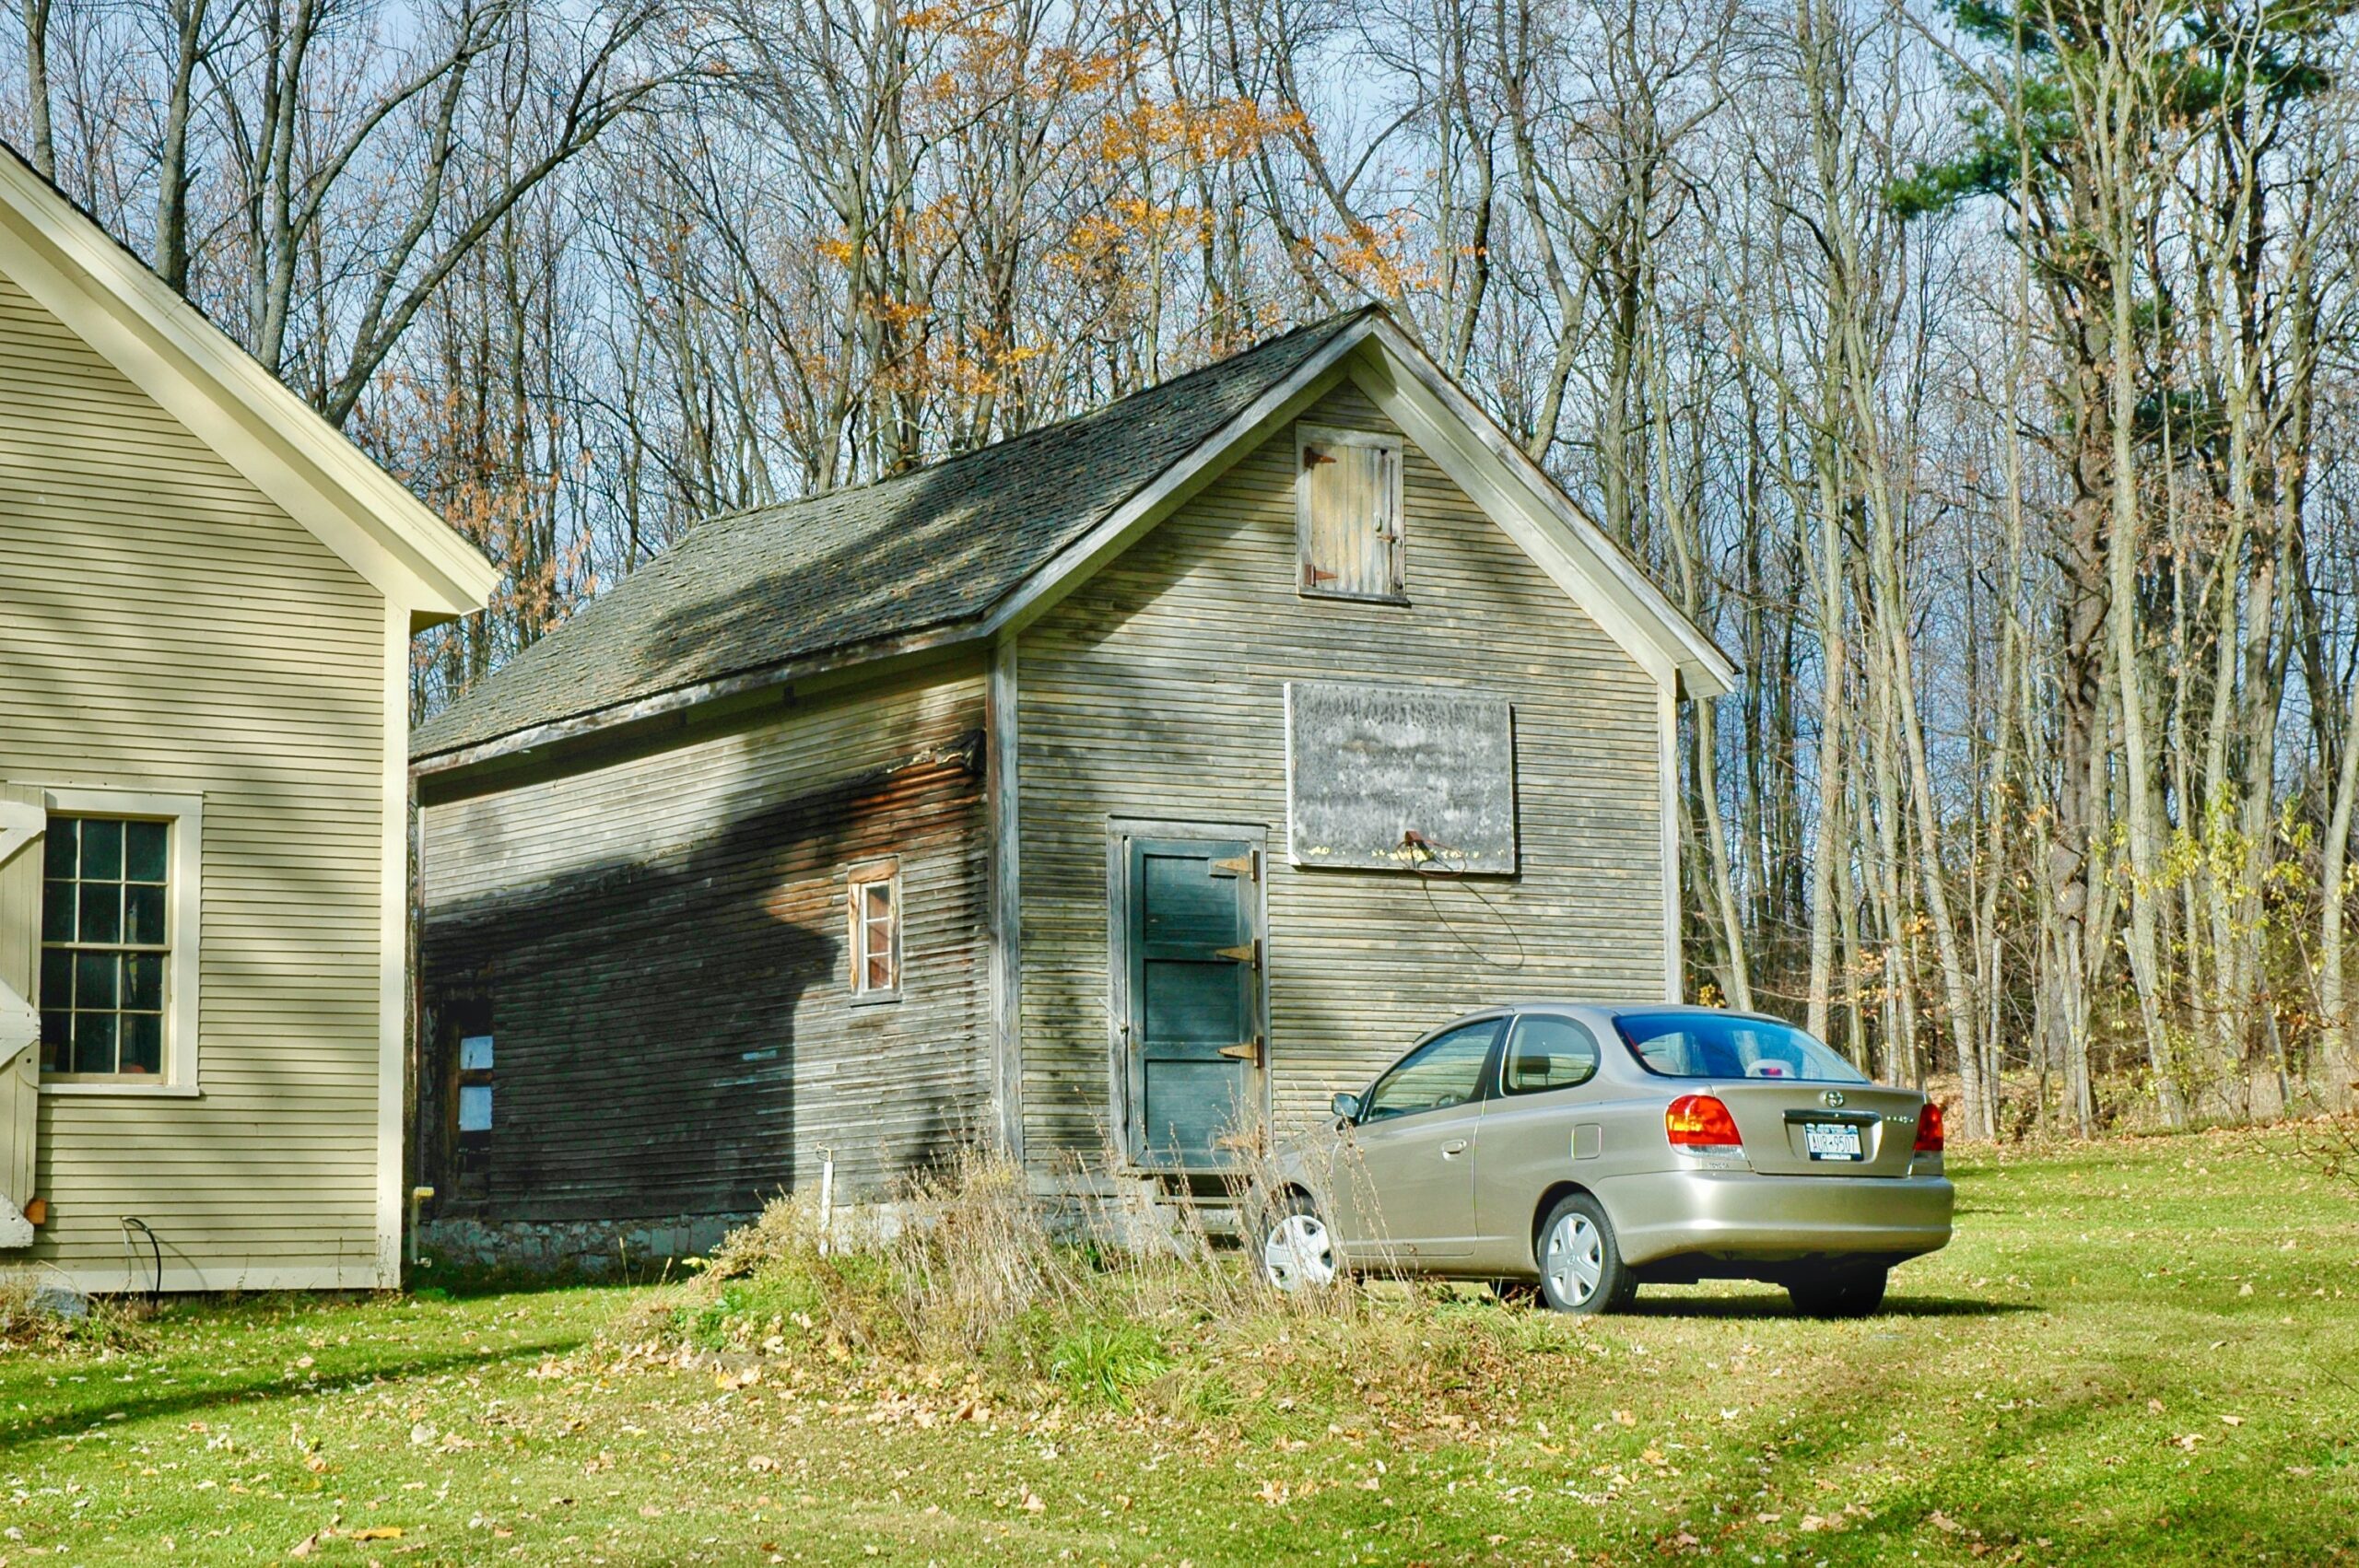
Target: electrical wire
131	1256
1430	861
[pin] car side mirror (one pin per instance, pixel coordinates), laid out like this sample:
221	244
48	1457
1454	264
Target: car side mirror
1346	1107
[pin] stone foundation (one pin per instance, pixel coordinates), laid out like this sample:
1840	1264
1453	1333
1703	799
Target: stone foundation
1132	1215
595	1249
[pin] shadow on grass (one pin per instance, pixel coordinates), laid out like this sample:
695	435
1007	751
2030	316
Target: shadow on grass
443	1281
1767	1304
101	1403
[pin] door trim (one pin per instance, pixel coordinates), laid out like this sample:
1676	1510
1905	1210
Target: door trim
1119	833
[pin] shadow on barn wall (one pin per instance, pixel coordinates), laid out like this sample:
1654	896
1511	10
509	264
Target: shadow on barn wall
673	1039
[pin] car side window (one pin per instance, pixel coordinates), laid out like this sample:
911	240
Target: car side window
1547	1052
1445	1071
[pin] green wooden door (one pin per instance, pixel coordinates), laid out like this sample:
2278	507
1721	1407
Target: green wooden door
1194	1034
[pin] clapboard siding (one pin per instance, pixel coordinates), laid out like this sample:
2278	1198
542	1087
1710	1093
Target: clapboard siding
169	629
661	945
1157	690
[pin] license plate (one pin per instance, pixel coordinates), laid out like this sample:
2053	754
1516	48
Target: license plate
1831	1140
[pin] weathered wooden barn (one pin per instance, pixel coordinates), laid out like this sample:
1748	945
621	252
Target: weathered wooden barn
1110	789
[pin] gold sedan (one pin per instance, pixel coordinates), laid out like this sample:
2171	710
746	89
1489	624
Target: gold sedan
1591	1150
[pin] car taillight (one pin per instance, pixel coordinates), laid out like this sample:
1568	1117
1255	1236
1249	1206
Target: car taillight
1929	1130
1700	1121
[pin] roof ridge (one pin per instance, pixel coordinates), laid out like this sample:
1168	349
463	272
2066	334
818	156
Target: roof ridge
934	547
1080	416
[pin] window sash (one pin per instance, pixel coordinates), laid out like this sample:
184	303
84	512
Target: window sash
164	858
872	903
107	896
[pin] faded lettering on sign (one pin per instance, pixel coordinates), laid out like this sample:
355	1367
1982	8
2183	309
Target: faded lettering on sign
1400	778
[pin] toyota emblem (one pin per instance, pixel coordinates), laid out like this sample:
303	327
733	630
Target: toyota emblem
1832	1098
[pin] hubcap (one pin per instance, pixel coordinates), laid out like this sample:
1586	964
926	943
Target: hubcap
1298	1252
1576	1259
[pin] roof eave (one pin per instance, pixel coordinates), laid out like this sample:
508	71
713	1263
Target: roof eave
128	316
596	723
1038	590
1703	669
1675	647
1025	601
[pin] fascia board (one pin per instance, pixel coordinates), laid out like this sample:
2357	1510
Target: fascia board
164	346
1501	478
1077	562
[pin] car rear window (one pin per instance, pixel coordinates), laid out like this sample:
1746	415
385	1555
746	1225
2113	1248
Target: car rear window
1730	1045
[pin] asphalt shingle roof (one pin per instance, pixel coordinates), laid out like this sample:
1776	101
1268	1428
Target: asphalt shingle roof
924	550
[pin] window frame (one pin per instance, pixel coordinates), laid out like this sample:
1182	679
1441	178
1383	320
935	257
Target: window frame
1307	435
184	929
1507	1055
866	875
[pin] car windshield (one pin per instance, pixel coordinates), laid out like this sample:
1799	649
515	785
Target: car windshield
1730	1045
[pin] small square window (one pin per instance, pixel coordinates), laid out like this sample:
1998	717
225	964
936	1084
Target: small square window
1347	514
874	910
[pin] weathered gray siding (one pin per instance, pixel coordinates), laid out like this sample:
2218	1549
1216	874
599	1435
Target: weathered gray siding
167	629
661	945
1157	691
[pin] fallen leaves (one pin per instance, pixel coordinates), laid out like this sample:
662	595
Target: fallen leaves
312	1543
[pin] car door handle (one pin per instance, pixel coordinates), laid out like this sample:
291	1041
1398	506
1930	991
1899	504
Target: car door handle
1455	1147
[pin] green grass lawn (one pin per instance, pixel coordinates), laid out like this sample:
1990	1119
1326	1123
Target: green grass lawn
2145	1351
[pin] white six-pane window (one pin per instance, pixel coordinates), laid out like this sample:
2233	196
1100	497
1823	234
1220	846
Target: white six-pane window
120	912
1347	513
873	911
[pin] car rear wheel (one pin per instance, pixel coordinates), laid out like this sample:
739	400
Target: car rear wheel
1298	1252
1581	1266
1852	1293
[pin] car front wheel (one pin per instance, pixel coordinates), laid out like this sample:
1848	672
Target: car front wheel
1298	1252
1581	1266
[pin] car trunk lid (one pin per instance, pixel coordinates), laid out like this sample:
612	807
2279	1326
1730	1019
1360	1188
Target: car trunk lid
1792	1128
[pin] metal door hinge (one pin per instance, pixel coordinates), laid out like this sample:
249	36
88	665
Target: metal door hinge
1249	953
1247	1050
1249	864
